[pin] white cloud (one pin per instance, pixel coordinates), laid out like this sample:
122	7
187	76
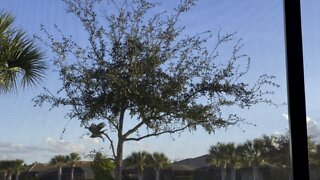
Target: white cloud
312	127
285	116
43	152
61	146
19	151
92	140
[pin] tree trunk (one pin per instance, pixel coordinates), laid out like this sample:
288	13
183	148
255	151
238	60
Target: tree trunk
17	175
5	175
223	173
10	176
140	175
59	173
72	172
119	155
119	160
233	173
255	172
157	174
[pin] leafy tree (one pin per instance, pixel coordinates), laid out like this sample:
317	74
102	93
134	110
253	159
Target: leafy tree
224	155
59	160
139	160
20	60
102	167
282	156
158	161
72	159
314	155
142	69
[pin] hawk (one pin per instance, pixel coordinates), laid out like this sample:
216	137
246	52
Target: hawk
96	130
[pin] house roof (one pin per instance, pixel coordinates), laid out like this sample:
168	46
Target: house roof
192	163
39	167
42	168
182	167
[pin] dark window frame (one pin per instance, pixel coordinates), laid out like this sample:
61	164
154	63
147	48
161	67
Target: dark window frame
296	91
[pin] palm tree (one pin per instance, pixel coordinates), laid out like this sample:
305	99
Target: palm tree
102	167
158	161
7	168
255	154
4	168
59	161
20	60
224	155
72	159
17	167
139	160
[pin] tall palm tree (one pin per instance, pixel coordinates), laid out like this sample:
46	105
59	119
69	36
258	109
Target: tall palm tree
139	160
224	155
102	167
59	161
158	161
4	168
255	154
72	159
7	168
17	167
21	62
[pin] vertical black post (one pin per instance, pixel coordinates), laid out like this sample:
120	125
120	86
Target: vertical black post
296	93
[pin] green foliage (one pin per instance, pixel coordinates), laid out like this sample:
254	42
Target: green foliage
10	167
148	67
158	160
139	160
58	160
102	167
72	158
223	155
20	60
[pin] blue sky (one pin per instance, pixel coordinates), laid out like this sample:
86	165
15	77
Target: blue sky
33	133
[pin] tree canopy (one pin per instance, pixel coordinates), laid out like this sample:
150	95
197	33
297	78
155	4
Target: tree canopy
142	68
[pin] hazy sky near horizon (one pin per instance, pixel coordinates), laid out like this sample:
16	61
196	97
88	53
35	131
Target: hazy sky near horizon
32	133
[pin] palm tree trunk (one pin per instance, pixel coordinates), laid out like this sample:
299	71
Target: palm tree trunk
72	172
59	173
5	175
255	172
233	173
140	175
17	175
157	174
223	173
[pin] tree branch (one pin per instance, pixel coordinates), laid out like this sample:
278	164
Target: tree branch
163	132
133	129
111	144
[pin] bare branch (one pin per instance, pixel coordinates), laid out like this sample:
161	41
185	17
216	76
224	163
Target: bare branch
162	132
111	144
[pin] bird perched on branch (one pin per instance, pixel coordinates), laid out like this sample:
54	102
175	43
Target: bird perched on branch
96	130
